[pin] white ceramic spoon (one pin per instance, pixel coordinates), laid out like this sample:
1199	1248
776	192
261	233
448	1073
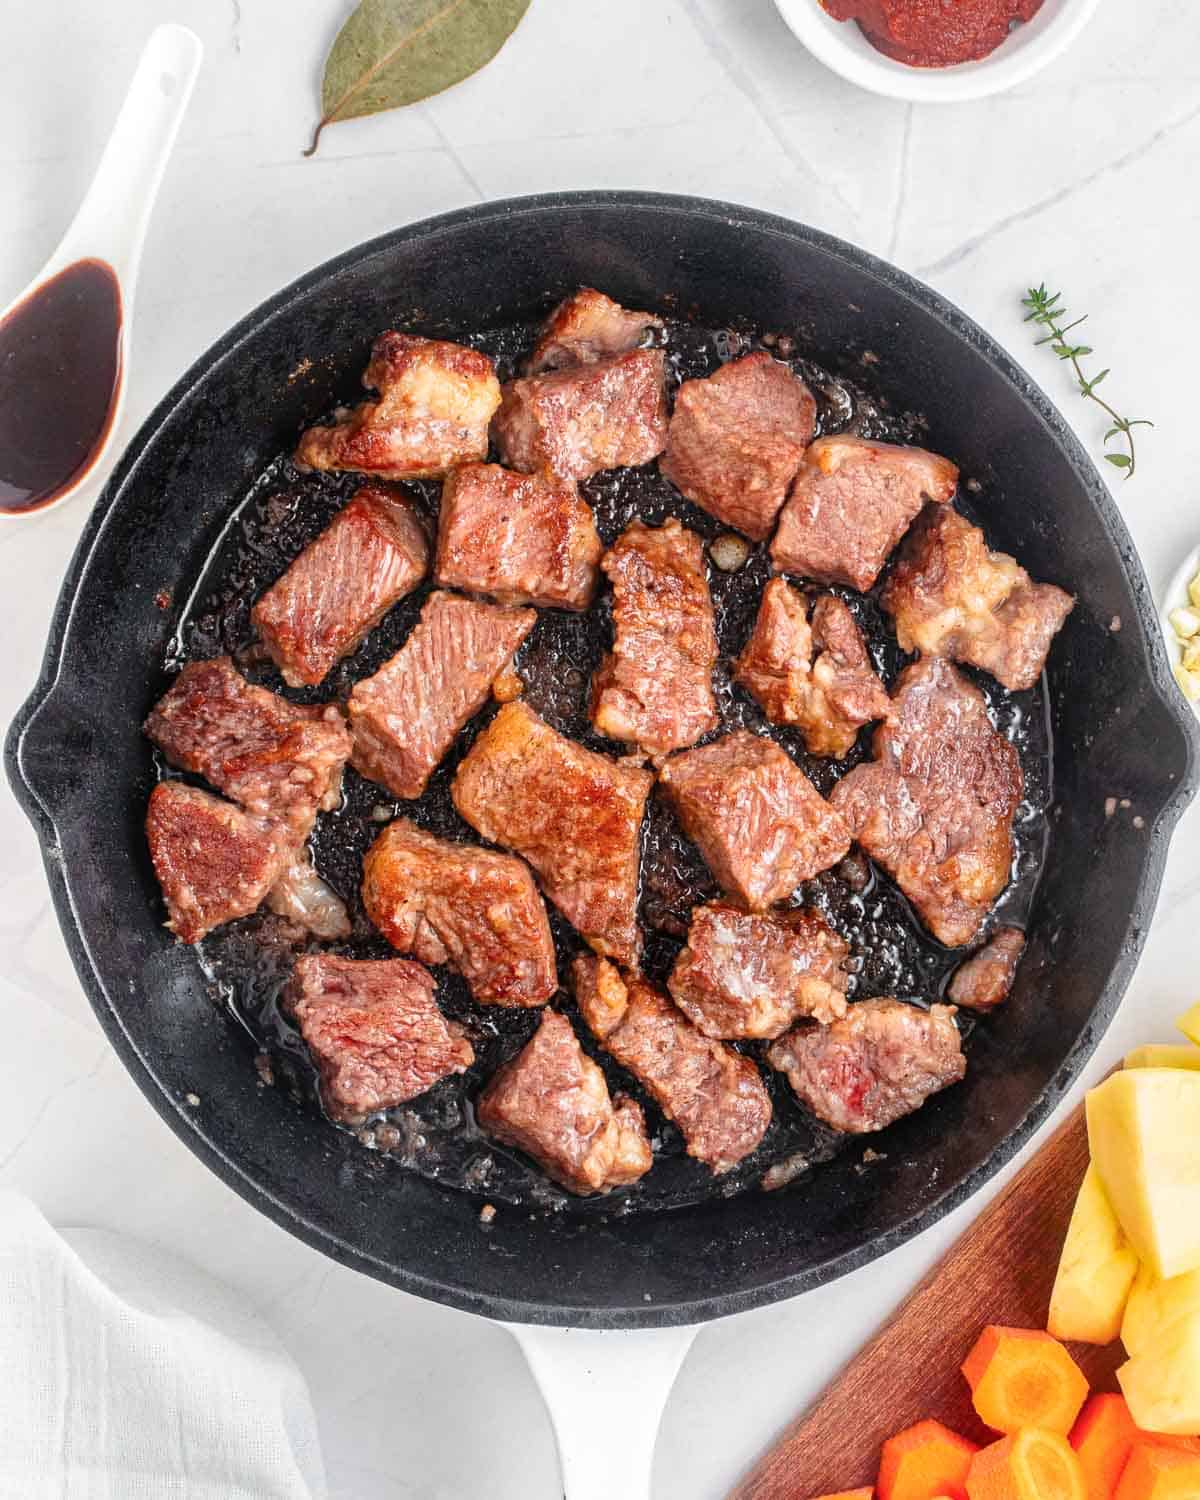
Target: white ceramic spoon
111	223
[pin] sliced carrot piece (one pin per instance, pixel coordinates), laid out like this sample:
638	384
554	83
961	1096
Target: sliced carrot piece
1155	1472
1027	1465
1021	1377
1103	1437
925	1462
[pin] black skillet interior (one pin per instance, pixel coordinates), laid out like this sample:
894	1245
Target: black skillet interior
82	770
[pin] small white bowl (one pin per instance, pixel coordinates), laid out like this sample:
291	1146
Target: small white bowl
1175	597
840	45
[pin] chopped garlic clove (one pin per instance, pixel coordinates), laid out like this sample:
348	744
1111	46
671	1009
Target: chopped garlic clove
1189	683
1185	623
1191	656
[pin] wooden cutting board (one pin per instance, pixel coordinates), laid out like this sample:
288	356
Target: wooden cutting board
1001	1271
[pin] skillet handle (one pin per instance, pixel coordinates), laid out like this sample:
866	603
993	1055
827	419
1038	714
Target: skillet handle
605	1393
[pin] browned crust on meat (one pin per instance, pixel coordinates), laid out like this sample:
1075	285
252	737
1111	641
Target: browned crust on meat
951	596
654	688
736	440
879	1062
585	327
435	401
519	538
714	1094
457	904
759	822
573	814
818	677
213	861
373	553
985	980
406	716
551	1102
852	501
374	1030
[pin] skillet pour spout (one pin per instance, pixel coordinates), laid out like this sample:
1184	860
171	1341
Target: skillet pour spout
82	770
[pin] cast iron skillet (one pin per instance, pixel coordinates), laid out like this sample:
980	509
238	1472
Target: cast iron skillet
83	772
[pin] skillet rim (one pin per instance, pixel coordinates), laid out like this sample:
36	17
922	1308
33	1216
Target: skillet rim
191	1129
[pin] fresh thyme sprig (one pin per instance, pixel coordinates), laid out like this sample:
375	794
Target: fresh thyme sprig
1047	311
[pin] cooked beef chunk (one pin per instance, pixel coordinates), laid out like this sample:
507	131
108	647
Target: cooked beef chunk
586	327
574	815
951	597
407	715
551	1101
213	861
435	402
819	678
654	688
879	1062
748	976
759	822
374	1030
984	981
278	759
851	503
578	421
935	807
714	1094
736	440
522	538
371	554
303	898
457	904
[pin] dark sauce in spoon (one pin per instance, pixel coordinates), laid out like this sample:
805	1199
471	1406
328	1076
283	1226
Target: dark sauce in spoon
60	368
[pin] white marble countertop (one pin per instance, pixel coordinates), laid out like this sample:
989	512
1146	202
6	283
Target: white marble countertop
1087	177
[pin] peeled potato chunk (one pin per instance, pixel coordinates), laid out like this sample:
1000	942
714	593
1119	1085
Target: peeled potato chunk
1143	1129
1162	1384
1155	1305
1189	1024
1095	1271
1162	1055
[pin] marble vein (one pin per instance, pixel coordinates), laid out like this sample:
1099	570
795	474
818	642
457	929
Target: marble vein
744	83
903	181
1033	210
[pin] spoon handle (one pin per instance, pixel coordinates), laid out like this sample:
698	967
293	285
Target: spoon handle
111	222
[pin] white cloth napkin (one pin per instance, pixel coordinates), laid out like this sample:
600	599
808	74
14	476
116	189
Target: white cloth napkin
125	1375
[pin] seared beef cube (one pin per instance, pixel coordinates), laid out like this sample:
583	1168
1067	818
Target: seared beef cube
851	503
759	822
213	861
935	807
881	1061
736	440
578	421
551	1101
748	976
984	981
654	688
522	538
817	677
374	1030
951	597
435	402
407	716
574	815
304	899
456	904
714	1094
586	327
371	554
278	759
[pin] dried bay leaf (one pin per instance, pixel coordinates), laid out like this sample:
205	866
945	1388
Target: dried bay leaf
396	52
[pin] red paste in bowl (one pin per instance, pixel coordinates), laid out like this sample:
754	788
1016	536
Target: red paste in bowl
934	33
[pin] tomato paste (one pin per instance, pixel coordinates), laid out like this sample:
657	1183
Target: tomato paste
934	33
